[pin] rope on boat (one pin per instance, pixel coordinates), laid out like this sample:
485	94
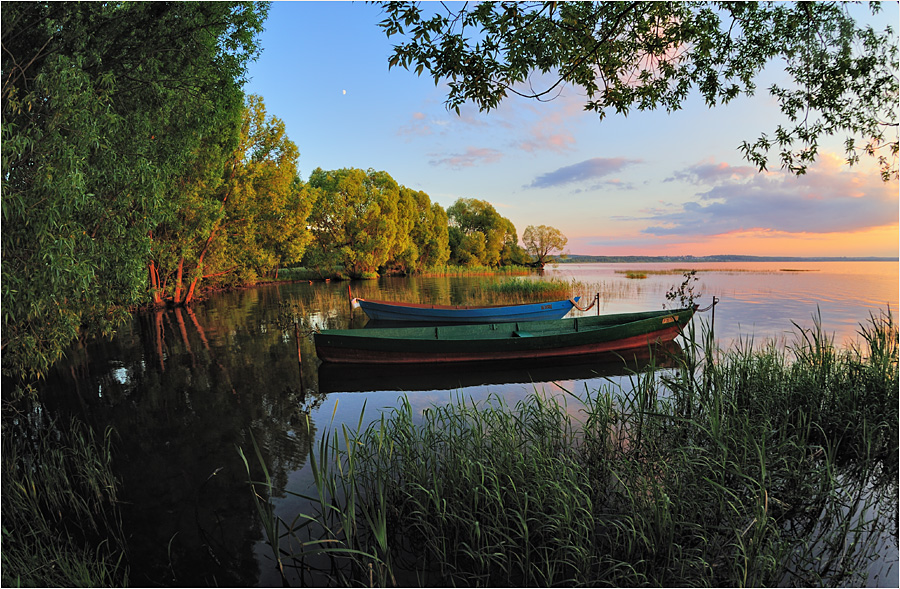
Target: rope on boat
588	308
714	303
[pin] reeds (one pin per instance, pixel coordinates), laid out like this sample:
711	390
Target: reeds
338	273
61	526
511	288
449	270
742	468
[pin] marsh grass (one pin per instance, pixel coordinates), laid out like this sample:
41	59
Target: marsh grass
746	467
61	526
477	271
521	289
338	273
293	274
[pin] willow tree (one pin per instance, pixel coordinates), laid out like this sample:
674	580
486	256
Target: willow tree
105	109
404	252
245	223
542	242
354	220
841	76
421	233
430	232
479	235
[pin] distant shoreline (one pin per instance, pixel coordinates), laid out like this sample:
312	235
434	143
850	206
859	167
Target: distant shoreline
580	259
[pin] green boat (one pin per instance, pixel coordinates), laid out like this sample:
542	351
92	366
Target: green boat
560	338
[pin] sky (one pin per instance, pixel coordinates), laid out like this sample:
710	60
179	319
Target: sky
651	183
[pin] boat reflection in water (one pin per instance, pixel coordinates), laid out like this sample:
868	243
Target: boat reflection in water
342	378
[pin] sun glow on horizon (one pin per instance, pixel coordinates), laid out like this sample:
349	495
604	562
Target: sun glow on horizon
873	242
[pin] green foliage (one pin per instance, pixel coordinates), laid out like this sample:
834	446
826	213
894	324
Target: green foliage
428	233
542	241
511	290
240	216
105	108
365	222
266	203
480	236
354	220
60	520
683	295
842	77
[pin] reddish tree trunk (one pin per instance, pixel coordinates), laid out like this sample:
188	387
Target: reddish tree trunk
190	294
178	280
154	283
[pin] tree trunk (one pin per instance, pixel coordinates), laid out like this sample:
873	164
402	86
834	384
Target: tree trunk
190	294
154	283
178	280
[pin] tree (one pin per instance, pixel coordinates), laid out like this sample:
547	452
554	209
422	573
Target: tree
106	107
483	233
422	233
431	233
239	213
542	241
252	220
649	55
404	253
354	220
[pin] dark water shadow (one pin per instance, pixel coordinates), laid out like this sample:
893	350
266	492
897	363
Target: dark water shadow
337	378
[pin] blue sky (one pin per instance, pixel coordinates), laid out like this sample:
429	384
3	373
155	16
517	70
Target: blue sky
649	183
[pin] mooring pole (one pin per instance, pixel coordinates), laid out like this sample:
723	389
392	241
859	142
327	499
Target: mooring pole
299	355
715	300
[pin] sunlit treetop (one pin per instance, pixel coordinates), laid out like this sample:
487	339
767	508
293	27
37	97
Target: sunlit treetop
652	55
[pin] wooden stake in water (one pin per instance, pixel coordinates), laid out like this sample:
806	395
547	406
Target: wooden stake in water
299	355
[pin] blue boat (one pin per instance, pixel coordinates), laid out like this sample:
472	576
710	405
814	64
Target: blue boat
393	311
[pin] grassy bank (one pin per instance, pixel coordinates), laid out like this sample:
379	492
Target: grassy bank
60	521
745	467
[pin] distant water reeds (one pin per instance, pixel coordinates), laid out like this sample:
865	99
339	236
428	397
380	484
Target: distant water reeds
745	467
525	289
60	521
477	271
292	274
289	274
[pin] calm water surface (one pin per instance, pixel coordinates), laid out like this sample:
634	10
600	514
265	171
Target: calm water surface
185	388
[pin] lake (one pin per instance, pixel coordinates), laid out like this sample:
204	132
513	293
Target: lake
185	388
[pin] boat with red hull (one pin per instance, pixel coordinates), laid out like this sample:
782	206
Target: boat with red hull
491	342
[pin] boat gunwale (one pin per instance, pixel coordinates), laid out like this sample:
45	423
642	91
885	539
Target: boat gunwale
428	306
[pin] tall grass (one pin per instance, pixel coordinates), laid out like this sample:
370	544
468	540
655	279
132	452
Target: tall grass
746	467
450	270
338	273
60	521
511	289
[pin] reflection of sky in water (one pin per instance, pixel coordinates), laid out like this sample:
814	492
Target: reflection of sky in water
760	300
121	375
